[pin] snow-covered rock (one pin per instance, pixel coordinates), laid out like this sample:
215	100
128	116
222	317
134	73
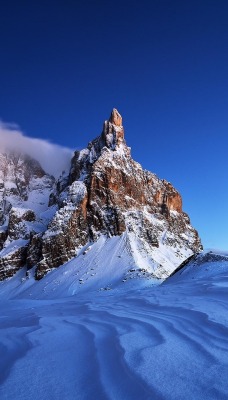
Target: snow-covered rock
105	194
207	266
24	197
115	195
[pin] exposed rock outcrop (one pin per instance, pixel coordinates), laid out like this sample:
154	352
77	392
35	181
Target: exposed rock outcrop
44	223
24	194
12	259
116	195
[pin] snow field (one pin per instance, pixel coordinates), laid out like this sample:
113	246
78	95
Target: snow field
129	343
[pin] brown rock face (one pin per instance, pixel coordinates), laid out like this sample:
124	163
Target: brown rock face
106	193
34	252
115	118
109	194
70	231
12	261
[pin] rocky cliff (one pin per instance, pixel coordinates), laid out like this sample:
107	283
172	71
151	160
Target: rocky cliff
105	193
24	194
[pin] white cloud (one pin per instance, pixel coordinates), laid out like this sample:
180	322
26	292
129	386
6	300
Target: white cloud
52	157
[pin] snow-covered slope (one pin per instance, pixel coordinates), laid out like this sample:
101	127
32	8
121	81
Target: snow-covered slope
109	193
104	322
107	264
45	224
210	265
166	342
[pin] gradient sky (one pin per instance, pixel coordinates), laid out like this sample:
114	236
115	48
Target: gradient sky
162	64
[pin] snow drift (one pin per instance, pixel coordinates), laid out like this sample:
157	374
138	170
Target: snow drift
132	342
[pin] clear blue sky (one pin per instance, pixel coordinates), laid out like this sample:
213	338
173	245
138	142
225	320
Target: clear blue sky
163	64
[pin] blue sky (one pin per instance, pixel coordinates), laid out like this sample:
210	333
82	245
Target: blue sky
162	64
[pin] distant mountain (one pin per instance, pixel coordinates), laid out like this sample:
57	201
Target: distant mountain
44	223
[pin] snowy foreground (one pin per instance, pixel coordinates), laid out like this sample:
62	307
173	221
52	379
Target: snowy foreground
134	342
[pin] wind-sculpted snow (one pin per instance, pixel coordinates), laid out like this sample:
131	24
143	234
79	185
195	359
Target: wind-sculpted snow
167	342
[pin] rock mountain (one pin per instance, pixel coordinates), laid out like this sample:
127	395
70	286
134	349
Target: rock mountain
44	222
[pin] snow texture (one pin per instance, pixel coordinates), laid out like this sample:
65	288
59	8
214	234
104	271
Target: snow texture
59	339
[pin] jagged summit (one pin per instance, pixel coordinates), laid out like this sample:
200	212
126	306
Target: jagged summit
115	118
111	138
105	194
113	131
110	194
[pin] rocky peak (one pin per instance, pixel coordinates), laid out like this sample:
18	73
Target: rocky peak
106	193
115	118
111	194
112	138
113	131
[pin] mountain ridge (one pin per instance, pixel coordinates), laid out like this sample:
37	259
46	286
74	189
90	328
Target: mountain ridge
105	193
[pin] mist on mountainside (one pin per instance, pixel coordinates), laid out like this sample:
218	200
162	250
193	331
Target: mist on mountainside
53	158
